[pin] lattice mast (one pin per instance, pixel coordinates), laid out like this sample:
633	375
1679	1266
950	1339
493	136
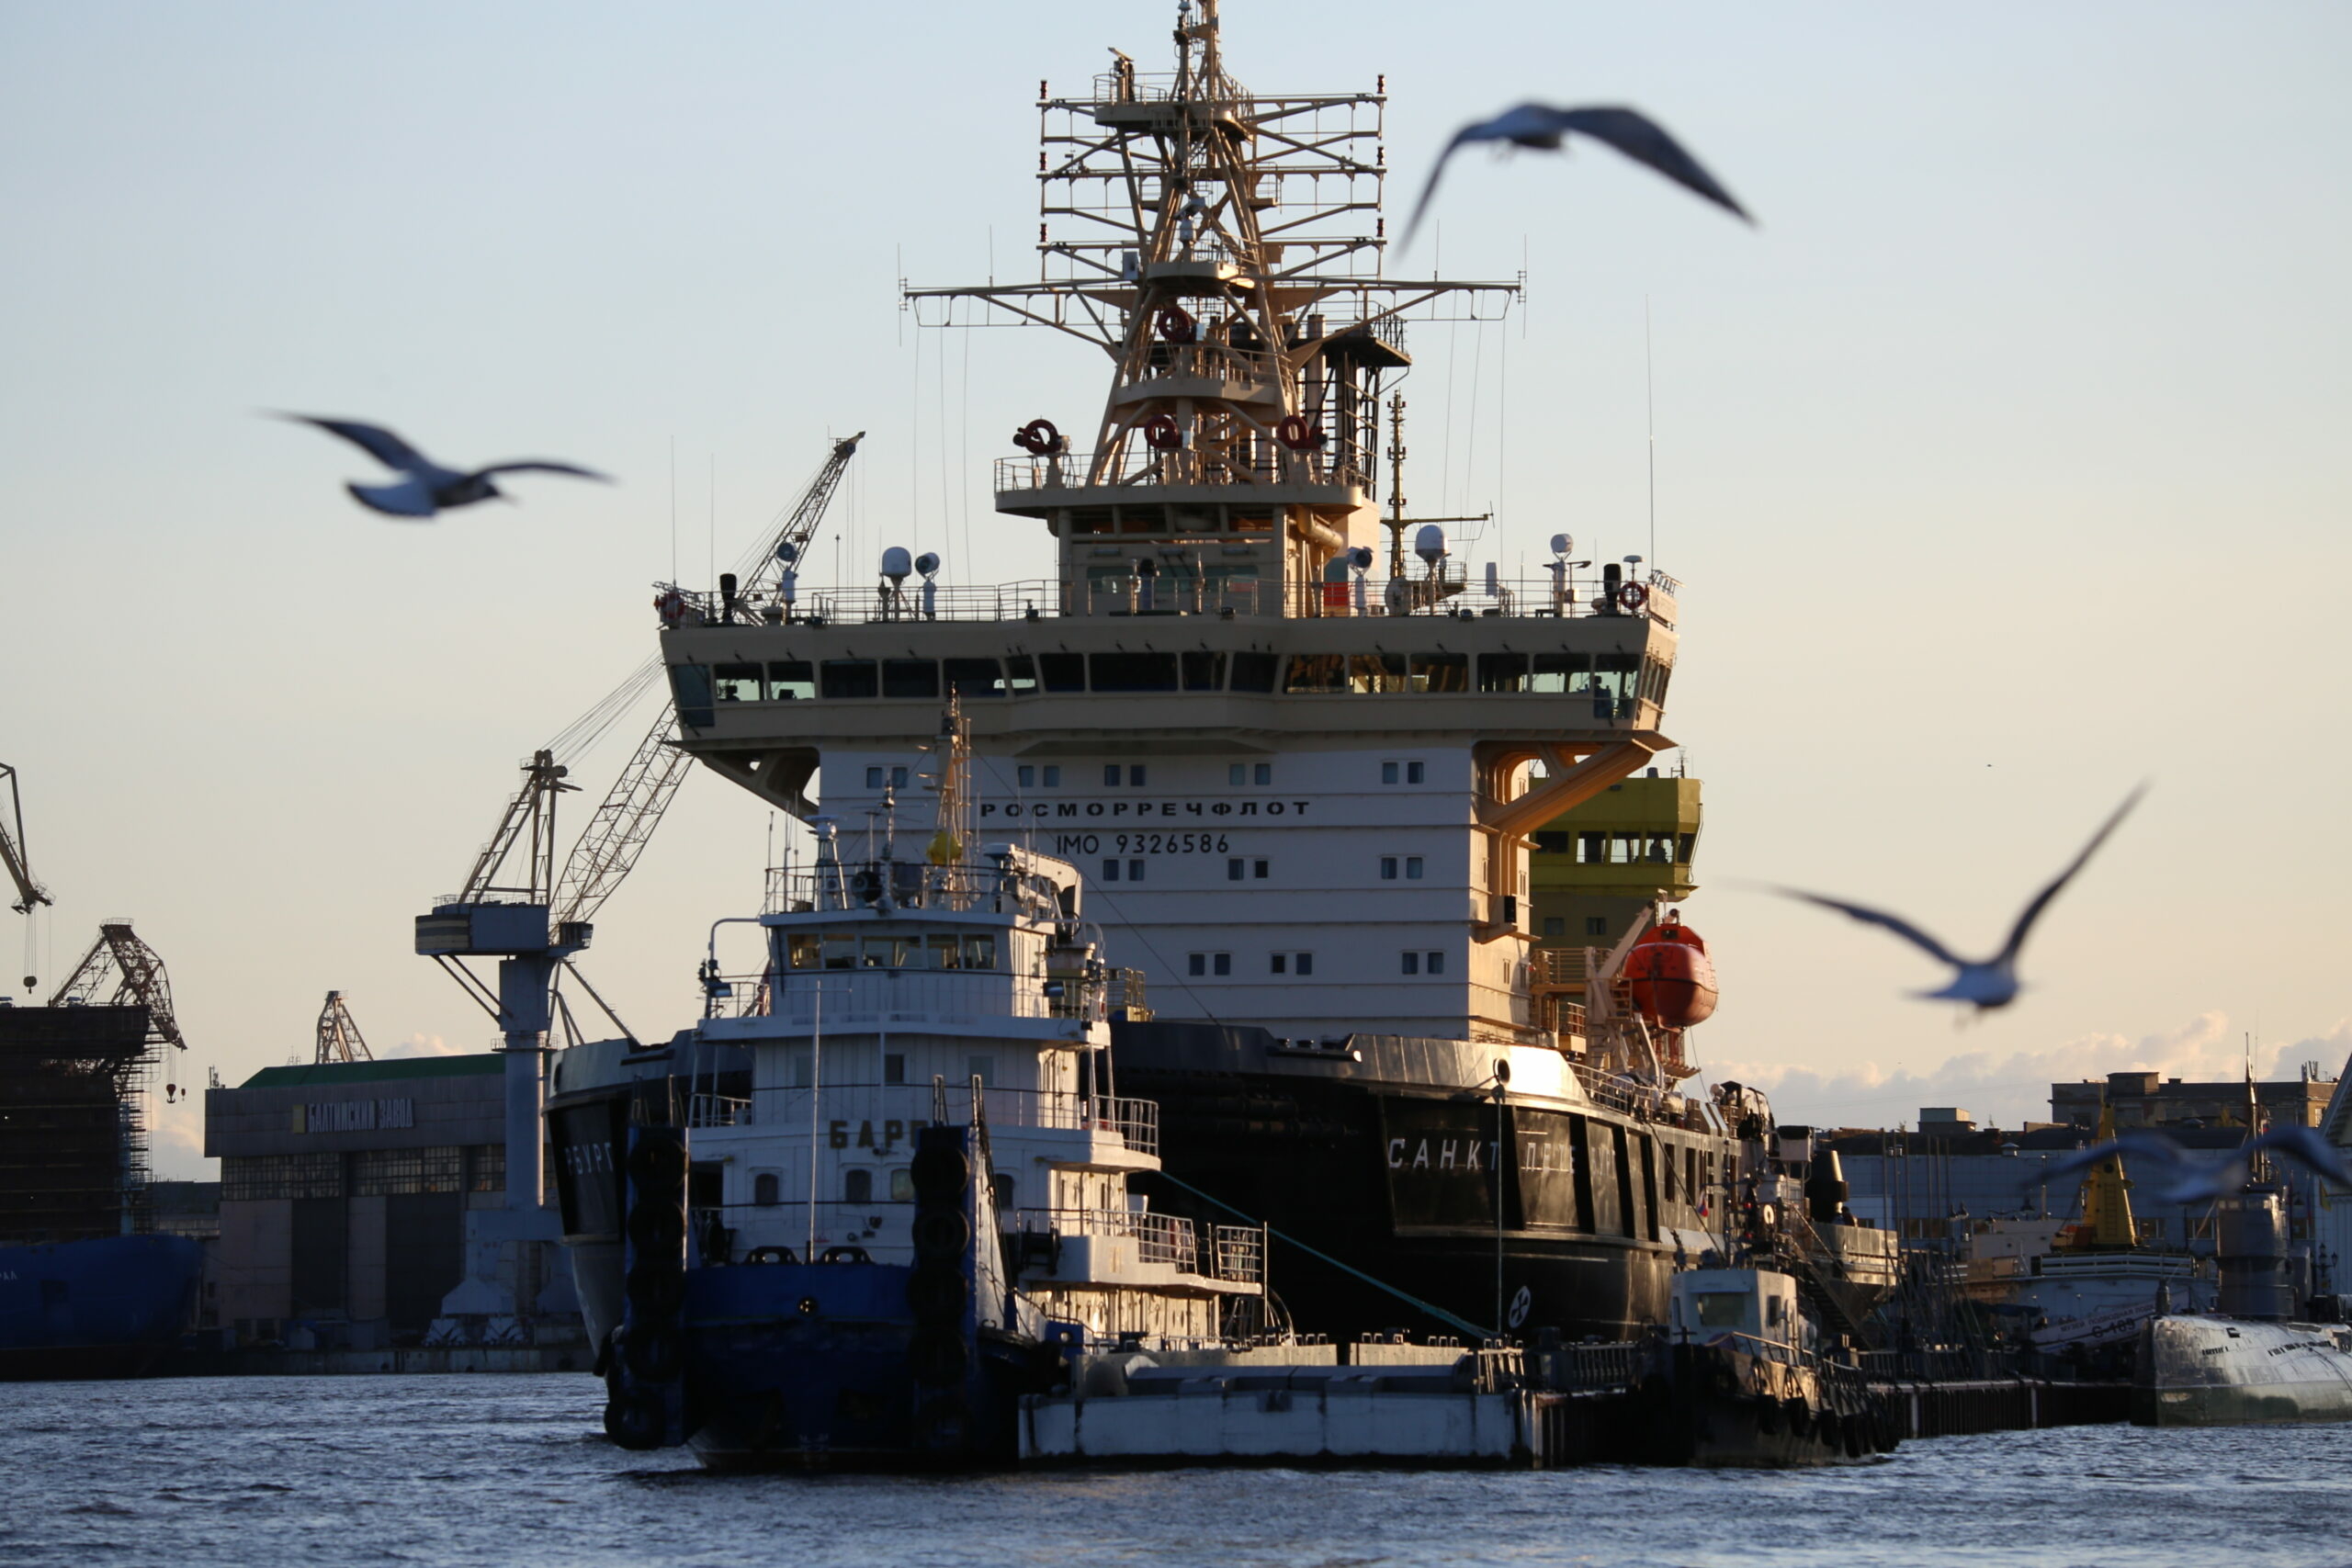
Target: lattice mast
339	1037
1248	322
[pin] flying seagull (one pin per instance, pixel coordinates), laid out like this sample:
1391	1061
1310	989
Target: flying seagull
426	487
1630	131
2177	1179
1984	983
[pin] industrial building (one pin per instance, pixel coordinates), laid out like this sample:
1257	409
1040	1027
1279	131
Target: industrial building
345	1188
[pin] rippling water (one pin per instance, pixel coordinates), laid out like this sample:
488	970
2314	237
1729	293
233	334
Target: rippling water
511	1469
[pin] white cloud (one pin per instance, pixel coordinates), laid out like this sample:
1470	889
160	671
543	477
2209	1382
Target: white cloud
2014	1088
422	1044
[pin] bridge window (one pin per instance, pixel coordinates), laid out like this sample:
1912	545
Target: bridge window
979	953
1556	673
791	680
849	678
1255	672
1314	672
1020	674
1439	672
1062	671
1376	673
1502	673
690	685
974	677
1549	842
1135	671
910	678
1203	671
737	683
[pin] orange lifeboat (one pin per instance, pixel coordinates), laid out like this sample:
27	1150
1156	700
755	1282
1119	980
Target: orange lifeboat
1673	980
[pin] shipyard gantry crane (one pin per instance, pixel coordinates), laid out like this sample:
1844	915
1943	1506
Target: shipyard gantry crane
121	971
339	1039
30	893
535	925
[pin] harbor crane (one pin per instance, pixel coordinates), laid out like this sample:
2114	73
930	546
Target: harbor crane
339	1038
119	970
535	918
30	893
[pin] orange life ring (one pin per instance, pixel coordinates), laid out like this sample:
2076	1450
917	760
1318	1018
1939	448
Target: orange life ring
1632	596
1159	432
671	607
1298	433
1176	324
1038	437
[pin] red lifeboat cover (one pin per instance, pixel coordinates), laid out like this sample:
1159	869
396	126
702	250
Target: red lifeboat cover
1673	979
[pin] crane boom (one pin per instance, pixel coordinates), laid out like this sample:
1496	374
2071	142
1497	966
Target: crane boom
119	970
29	892
623	824
339	1038
791	541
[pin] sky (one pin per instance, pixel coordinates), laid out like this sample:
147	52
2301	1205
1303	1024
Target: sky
2003	461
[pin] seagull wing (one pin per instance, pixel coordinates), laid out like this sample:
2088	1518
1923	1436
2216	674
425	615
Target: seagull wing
374	440
2032	911
1646	143
2307	1148
1870	916
411	498
1479	131
541	468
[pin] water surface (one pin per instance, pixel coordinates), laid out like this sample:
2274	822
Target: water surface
257	1472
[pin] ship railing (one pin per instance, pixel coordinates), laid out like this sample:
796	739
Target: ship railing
1572	1367
1141	466
1946	1364
1240	1253
1567	967
860	1111
1233	1253
718	1111
845	996
1178	588
908	885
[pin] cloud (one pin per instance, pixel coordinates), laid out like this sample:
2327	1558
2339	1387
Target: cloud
2009	1090
425	1045
175	1141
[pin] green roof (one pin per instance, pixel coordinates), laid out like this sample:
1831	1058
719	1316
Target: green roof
377	1072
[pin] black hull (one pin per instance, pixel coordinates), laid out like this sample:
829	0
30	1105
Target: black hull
1390	1179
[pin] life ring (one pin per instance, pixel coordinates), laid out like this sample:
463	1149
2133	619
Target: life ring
1633	595
1298	433
1159	432
671	607
1038	437
1176	324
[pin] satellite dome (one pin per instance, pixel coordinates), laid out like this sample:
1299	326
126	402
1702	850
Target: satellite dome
896	563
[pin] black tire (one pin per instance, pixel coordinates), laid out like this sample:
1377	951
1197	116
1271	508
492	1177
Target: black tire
657	1164
941	1173
656	1231
634	1421
940	1236
937	1295
656	1289
938	1357
655	1353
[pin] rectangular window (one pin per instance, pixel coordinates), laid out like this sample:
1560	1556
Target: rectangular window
1388	868
1593	849
1314	672
1255	672
1203	671
1262	773
690	685
979	953
1555	925
1135	871
1306	965
894	1066
1135	671
849	678
1279	964
1020	674
1390	772
737	683
1135	774
1550	842
1221	962
910	678
1027	774
1412	772
1238	773
1376	673
1412	963
1196	963
1110	871
1258	868
1556	672
1502	673
1595	925
1111	774
1233	871
982	1069
791	680
1441	672
903	1185
874	778
1062	671
1413	868
1053	776
1435	963
973	677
